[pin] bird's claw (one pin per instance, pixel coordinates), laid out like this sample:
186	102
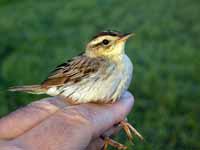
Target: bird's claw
109	141
129	129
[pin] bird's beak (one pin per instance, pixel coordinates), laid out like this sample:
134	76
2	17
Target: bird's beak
126	36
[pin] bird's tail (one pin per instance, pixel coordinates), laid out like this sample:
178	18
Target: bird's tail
33	89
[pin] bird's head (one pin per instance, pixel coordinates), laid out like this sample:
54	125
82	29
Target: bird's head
107	44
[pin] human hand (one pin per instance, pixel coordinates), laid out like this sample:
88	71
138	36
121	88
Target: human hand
49	125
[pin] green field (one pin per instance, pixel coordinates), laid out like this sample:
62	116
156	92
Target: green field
36	36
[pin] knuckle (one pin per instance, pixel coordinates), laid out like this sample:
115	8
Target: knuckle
43	106
74	114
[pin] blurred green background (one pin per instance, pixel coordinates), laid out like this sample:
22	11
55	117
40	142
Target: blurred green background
36	36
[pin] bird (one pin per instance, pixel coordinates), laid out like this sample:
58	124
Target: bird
99	75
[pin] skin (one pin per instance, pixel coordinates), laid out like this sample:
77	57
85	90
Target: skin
49	125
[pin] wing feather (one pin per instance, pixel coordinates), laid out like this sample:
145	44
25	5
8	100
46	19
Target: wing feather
73	71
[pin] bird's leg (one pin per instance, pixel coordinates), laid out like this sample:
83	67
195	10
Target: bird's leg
129	129
109	141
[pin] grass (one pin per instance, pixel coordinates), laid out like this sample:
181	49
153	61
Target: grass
38	35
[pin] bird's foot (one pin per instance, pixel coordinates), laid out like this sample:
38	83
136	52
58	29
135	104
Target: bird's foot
129	129
109	141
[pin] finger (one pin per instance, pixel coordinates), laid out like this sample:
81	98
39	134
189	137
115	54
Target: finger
26	118
103	117
63	130
74	127
98	143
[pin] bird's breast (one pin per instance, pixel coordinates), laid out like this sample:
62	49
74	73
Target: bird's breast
104	86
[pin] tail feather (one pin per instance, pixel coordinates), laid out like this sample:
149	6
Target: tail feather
34	89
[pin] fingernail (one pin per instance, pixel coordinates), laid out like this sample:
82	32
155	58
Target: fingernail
126	95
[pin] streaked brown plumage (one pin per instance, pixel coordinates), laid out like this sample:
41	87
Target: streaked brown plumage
73	71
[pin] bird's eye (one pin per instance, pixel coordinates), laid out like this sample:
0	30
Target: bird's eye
105	42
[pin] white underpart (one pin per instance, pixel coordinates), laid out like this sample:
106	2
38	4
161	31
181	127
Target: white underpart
53	91
91	90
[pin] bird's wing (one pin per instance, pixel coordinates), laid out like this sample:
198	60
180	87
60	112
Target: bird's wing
73	71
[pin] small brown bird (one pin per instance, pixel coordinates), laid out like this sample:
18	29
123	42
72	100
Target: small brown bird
99	75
